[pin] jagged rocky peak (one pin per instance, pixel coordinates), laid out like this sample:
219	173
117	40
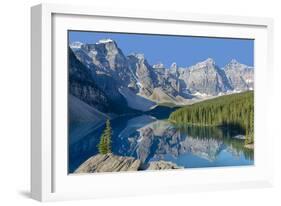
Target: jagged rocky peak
109	44
114	71
240	76
206	78
158	66
234	64
208	63
138	60
234	61
174	69
139	56
101	49
106	54
174	65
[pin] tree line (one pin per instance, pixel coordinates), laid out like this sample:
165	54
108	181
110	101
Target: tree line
236	110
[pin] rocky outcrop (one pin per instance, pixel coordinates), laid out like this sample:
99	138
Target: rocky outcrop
162	165
109	163
114	163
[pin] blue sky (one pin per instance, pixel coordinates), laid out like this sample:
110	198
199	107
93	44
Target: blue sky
184	50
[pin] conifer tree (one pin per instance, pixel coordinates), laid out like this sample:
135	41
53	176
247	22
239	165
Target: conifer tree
105	140
236	110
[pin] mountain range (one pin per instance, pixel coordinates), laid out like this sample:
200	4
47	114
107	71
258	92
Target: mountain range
112	83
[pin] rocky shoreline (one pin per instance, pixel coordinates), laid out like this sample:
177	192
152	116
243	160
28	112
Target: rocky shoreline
114	163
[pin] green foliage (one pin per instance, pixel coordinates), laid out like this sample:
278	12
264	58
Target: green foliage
250	132
105	140
236	110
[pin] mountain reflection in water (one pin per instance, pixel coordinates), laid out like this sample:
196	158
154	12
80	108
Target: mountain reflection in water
148	138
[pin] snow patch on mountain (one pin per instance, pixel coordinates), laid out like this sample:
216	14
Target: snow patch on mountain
104	41
76	45
249	81
200	94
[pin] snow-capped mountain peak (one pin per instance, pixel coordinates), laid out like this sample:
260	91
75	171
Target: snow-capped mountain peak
104	41
234	64
239	75
234	61
206	63
209	61
139	56
123	76
76	45
174	65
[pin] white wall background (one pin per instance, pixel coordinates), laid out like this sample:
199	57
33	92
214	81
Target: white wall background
15	95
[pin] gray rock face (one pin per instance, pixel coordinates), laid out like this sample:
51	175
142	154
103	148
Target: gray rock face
121	77
82	86
240	76
95	83
168	81
111	70
144	74
205	77
115	73
105	54
114	163
108	163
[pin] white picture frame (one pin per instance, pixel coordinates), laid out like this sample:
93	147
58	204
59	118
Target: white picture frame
49	178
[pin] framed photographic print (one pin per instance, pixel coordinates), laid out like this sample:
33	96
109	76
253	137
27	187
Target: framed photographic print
135	102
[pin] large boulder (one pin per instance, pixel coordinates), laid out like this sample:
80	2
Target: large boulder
108	163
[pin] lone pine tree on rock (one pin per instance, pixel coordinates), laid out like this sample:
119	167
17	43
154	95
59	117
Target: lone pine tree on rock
105	140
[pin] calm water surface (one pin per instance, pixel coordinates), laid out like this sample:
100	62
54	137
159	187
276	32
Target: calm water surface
149	138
